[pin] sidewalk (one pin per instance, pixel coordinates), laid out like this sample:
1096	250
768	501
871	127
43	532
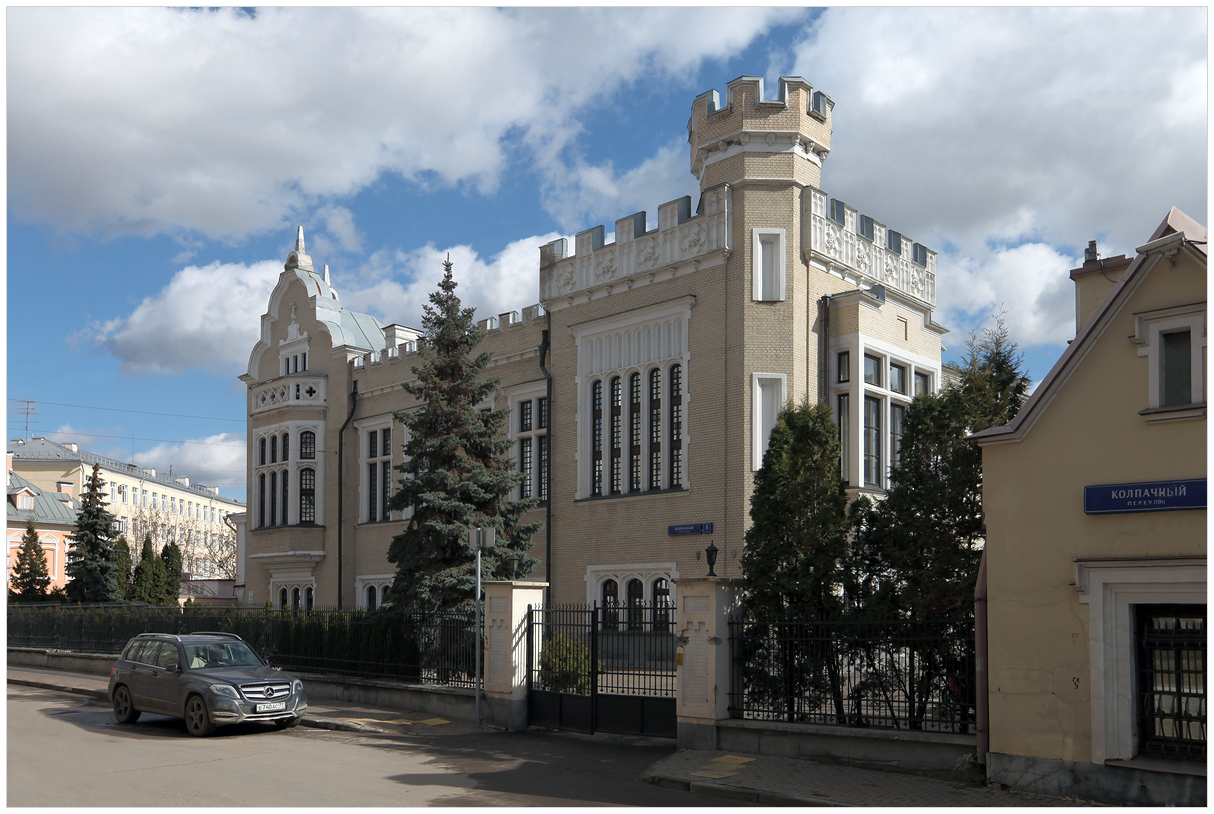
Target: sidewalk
757	779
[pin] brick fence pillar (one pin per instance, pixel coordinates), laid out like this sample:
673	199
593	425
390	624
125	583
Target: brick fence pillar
704	668
506	650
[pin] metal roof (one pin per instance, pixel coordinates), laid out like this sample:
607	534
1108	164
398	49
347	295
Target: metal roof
49	507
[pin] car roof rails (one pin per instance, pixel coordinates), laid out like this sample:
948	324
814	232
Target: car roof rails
163	635
216	633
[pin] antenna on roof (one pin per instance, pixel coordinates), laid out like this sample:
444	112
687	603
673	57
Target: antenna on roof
26	408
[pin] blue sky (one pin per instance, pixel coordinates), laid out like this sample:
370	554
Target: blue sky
160	160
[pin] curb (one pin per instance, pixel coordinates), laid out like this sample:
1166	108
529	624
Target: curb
742	793
337	724
101	695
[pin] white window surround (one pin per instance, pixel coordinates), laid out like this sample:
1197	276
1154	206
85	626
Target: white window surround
292	466
636	341
596	575
1147	328
362	427
775	387
514	396
1110	588
775	237
380	581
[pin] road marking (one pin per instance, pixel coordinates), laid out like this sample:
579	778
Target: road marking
434	721
737	760
714	773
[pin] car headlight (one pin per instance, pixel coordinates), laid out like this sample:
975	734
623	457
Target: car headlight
225	689
297	686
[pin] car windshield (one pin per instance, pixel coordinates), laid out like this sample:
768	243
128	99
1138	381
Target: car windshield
226	654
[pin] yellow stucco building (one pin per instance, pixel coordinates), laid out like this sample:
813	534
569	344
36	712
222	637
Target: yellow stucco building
1095	558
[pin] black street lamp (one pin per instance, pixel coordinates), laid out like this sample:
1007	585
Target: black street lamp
512	564
710	554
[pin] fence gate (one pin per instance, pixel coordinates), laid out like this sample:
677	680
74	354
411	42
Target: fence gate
602	669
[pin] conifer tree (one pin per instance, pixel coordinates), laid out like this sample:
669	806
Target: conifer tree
456	473
122	566
30	578
90	558
149	583
171	558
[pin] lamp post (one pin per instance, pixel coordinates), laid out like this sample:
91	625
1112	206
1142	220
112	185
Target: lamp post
710	554
512	564
480	539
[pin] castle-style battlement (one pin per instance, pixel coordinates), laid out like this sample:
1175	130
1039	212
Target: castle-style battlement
865	251
682	244
797	122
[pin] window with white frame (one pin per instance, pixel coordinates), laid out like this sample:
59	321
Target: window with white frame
370	591
1174	342
638	597
529	428
767	265
767	400
630	415
376	477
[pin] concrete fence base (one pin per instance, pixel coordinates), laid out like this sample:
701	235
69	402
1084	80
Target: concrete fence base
94	663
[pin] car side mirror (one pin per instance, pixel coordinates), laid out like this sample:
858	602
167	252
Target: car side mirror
174	668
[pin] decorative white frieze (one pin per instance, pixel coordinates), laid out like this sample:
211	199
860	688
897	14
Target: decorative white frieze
287	391
846	250
681	244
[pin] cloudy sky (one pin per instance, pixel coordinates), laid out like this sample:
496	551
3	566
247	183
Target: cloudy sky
159	161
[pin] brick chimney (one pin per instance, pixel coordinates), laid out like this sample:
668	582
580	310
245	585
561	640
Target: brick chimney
64	487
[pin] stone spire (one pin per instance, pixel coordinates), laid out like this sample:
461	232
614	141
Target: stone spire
299	258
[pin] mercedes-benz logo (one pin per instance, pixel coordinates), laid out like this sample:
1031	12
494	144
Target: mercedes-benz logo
269	692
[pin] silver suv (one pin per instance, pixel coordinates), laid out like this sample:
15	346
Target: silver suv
209	679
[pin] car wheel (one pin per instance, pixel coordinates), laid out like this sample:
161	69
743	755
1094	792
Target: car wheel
124	708
197	719
286	723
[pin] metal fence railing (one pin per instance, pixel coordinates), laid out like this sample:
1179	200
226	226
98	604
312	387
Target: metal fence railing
895	674
618	650
417	647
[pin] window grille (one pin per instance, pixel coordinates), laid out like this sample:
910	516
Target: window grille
596	445
655	429
634	433
307	445
1171	681
307	496
617	399
676	426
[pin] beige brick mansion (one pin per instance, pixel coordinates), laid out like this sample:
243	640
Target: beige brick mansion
641	389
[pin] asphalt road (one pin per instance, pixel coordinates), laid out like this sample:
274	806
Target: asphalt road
63	751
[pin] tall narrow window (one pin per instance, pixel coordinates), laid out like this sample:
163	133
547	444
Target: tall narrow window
524	416
372	490
897	378
273	498
543	411
634	432
897	417
767	265
370	597
655	429
273	449
308	598
844	438
285	503
767	402
662	606
295	596
768	246
378	479
524	465
611	604
286	446
385	471
636	605
1176	381
676	426
307	496
596	438
872	370
844	364
617	418
543	468
1171	700
261	452
307	445
922	384
872	441
282	599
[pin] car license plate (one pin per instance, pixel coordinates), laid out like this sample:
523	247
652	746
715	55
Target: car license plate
275	707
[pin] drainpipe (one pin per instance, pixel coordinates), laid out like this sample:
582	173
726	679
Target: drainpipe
981	709
341	458
544	345
824	363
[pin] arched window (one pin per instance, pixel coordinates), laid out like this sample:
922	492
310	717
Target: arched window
655	429
282	599
286	446
261	452
636	598
273	498
307	445
308	597
261	500
295	599
285	503
676	426
611	604
307	496
661	604
617	404
596	438
370	597
273	449
634	432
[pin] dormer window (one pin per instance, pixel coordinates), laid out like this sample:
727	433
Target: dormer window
25	501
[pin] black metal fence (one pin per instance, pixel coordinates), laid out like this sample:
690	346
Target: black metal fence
426	648
899	674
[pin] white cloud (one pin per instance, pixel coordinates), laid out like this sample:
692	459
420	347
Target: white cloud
975	129
149	120
214	460
206	318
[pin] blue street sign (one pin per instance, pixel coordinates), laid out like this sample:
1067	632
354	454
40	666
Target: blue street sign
1155	496
689	528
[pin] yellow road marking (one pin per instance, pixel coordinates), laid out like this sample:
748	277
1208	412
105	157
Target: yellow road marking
734	759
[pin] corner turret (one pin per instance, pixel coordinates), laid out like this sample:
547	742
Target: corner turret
298	258
751	137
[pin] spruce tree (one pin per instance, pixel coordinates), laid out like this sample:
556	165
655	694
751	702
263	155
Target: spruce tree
30	577
171	558
122	566
90	558
149	582
457	473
